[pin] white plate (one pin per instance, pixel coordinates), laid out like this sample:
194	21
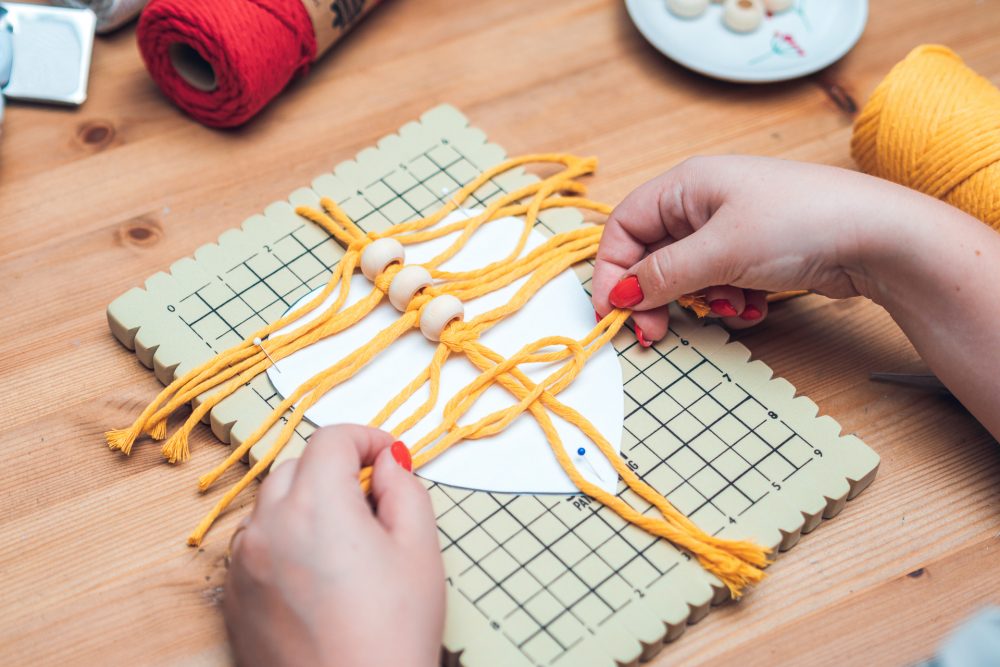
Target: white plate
796	42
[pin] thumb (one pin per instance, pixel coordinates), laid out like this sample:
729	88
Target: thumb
402	504
693	263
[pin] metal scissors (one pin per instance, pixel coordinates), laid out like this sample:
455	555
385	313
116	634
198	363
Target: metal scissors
925	381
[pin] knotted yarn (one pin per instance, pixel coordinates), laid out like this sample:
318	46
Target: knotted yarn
737	563
223	61
933	124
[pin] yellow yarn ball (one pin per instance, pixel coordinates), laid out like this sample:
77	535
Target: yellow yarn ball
933	125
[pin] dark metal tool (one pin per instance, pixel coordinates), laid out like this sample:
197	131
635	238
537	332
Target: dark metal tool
925	381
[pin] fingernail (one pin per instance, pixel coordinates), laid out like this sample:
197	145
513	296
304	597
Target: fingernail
626	293
641	338
597	316
750	313
401	453
722	307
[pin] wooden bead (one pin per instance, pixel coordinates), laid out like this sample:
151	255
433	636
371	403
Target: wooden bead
743	15
775	6
405	285
438	313
687	8
378	255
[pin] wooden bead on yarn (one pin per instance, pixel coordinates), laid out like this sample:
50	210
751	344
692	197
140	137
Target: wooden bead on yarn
378	255
439	313
933	125
405	285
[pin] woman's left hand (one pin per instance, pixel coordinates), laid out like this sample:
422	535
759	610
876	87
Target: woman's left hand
321	577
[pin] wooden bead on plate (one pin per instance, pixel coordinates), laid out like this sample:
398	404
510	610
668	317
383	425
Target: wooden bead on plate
438	313
378	255
687	8
743	15
405	285
775	6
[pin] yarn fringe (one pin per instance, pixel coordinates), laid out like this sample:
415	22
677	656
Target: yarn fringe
122	439
176	449
157	431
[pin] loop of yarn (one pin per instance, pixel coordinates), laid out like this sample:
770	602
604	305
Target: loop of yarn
253	47
736	563
933	125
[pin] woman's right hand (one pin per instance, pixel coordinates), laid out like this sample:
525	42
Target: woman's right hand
733	228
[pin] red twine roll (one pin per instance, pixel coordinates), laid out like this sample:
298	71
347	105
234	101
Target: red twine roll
222	61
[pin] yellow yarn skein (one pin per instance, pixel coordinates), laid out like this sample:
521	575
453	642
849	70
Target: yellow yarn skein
933	125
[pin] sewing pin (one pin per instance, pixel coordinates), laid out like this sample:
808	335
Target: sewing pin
582	453
446	191
259	343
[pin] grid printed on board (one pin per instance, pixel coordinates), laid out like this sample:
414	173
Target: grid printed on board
544	571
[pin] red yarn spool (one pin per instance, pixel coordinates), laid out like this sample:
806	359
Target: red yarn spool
222	61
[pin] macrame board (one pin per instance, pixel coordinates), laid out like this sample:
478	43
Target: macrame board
531	579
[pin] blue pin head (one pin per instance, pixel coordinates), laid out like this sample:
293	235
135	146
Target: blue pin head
581	451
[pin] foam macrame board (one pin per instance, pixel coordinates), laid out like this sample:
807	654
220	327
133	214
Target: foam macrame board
531	579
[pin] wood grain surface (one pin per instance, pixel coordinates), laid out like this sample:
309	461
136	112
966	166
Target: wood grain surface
93	566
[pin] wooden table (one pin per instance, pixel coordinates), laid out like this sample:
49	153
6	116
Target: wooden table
93	568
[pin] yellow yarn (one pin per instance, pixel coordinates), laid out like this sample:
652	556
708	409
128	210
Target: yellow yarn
735	563
933	125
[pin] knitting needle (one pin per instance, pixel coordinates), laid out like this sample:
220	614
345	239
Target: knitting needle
259	343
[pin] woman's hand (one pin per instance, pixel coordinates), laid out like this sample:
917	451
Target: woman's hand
319	577
731	228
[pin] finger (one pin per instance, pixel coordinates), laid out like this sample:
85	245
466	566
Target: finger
236	537
691	264
660	211
651	325
332	459
607	277
275	486
724	300
754	312
402	504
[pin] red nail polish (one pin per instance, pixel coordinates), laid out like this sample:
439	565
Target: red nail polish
750	313
626	293
722	307
401	453
597	316
641	338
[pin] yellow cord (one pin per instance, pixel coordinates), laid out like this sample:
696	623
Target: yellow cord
735	563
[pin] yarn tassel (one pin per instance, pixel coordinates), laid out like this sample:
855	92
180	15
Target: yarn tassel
176	449
122	439
158	430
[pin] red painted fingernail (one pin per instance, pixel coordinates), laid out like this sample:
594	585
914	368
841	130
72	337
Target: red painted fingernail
626	293
750	313
597	316
401	453
722	307
641	338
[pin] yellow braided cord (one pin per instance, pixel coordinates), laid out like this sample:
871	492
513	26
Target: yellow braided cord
735	563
